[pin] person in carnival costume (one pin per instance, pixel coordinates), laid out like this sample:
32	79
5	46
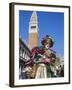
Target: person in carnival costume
43	59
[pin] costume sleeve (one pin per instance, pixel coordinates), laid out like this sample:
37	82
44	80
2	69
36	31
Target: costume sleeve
33	56
34	51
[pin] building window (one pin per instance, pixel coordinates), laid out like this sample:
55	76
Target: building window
21	52
33	27
25	55
28	57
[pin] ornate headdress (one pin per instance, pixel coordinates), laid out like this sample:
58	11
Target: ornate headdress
47	39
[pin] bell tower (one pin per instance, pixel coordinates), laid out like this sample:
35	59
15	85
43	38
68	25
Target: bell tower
33	31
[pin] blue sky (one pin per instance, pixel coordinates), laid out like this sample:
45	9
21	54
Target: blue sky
51	23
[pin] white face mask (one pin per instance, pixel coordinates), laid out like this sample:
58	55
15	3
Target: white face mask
47	46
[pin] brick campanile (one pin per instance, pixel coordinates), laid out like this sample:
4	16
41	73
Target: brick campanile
33	31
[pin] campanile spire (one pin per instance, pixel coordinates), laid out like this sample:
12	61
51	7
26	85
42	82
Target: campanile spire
33	30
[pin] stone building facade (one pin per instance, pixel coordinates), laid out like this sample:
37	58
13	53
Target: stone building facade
24	56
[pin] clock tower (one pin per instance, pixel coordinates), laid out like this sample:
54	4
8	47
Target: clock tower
33	31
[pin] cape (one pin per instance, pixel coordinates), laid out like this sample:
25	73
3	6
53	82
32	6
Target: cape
39	57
